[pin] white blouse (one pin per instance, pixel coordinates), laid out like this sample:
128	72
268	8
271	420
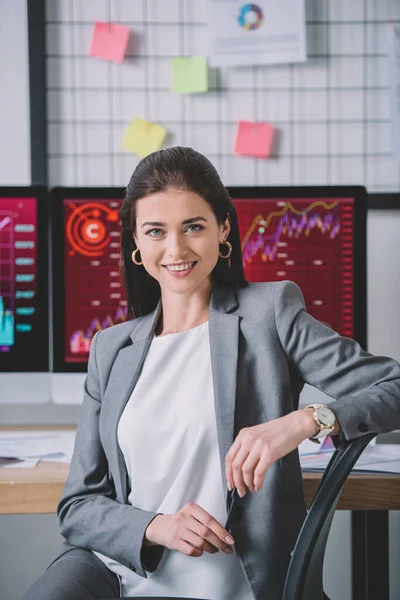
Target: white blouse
168	436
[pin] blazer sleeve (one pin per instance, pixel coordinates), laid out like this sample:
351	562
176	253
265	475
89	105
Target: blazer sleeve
366	388
89	516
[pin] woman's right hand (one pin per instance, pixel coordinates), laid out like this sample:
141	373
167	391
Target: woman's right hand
191	531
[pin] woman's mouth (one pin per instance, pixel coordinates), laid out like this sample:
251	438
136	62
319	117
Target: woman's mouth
180	270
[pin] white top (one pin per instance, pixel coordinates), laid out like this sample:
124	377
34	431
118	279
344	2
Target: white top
168	436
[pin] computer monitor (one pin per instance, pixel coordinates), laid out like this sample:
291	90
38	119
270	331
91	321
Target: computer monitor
24	344
314	236
88	291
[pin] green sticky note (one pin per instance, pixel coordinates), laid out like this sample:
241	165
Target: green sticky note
190	74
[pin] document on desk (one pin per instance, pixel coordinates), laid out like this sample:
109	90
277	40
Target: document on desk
381	458
18	463
37	445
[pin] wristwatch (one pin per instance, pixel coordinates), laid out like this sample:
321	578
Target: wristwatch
325	418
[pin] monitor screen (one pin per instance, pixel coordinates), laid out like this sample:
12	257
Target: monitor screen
86	267
314	237
23	279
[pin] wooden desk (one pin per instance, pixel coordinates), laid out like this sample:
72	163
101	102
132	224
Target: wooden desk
37	490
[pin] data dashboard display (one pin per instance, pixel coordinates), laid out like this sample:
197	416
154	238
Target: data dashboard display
23	289
94	296
306	240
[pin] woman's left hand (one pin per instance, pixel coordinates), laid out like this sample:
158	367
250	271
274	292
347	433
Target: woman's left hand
256	448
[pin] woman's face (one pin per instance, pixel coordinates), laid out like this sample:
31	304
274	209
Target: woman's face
177	229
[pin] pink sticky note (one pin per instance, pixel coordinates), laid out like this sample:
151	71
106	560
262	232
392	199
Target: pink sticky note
109	41
254	139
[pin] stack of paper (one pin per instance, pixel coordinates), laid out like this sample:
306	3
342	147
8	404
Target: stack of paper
26	448
376	458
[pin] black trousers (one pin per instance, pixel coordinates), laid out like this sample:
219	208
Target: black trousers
75	575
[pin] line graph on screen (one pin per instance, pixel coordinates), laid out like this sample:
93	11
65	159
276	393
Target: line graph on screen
308	241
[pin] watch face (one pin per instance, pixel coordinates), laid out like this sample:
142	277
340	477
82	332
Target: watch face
326	416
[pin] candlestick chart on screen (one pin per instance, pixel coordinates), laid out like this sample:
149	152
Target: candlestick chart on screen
308	241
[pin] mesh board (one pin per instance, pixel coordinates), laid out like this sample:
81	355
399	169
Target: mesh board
332	113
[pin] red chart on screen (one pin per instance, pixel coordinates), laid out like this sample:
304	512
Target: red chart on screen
308	241
94	297
18	262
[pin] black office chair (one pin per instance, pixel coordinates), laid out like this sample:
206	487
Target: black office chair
306	565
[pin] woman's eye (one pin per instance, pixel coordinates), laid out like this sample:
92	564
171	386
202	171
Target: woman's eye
199	227
152	230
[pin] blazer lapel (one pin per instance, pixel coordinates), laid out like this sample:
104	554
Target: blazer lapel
224	349
123	378
224	345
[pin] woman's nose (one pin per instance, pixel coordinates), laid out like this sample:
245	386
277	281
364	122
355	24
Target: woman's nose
175	245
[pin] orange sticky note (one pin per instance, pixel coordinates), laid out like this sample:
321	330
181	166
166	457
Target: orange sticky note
254	139
109	41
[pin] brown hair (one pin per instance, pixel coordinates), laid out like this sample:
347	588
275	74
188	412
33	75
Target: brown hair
180	168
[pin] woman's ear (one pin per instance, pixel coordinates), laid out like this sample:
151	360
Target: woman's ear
226	227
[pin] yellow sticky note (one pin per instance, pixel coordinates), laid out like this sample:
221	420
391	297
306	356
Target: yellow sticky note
190	74
143	137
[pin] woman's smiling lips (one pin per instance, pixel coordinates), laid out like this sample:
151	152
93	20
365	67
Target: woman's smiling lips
177	271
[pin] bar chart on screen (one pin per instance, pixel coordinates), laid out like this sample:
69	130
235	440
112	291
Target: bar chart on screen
17	269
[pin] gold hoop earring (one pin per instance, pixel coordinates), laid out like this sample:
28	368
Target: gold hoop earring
134	257
229	250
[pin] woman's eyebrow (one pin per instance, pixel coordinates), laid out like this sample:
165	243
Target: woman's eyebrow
159	224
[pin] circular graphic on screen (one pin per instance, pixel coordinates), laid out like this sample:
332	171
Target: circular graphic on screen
250	17
86	228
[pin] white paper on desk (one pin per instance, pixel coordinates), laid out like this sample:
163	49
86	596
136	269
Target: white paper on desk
36	444
394	75
381	458
23	464
309	447
246	34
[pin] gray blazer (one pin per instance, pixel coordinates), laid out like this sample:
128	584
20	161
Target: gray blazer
264	346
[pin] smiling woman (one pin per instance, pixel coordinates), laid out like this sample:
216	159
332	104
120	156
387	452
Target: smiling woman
194	396
177	211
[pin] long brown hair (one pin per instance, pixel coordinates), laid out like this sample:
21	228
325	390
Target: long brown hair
180	168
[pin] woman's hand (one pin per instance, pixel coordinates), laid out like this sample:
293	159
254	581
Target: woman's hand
191	531
256	448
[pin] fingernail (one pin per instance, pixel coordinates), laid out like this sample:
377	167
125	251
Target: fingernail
241	493
228	551
229	486
229	539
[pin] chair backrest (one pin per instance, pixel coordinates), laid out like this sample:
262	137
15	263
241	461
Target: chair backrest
305	570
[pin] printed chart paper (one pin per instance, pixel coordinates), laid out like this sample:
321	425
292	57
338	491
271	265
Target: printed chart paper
260	33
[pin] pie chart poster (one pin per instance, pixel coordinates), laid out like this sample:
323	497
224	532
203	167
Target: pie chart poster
256	33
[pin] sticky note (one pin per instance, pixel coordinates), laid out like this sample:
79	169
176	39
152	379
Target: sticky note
109	41
143	137
254	139
190	75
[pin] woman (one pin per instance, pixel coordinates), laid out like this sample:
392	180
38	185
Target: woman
196	395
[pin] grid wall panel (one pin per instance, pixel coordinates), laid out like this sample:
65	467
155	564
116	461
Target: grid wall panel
332	113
